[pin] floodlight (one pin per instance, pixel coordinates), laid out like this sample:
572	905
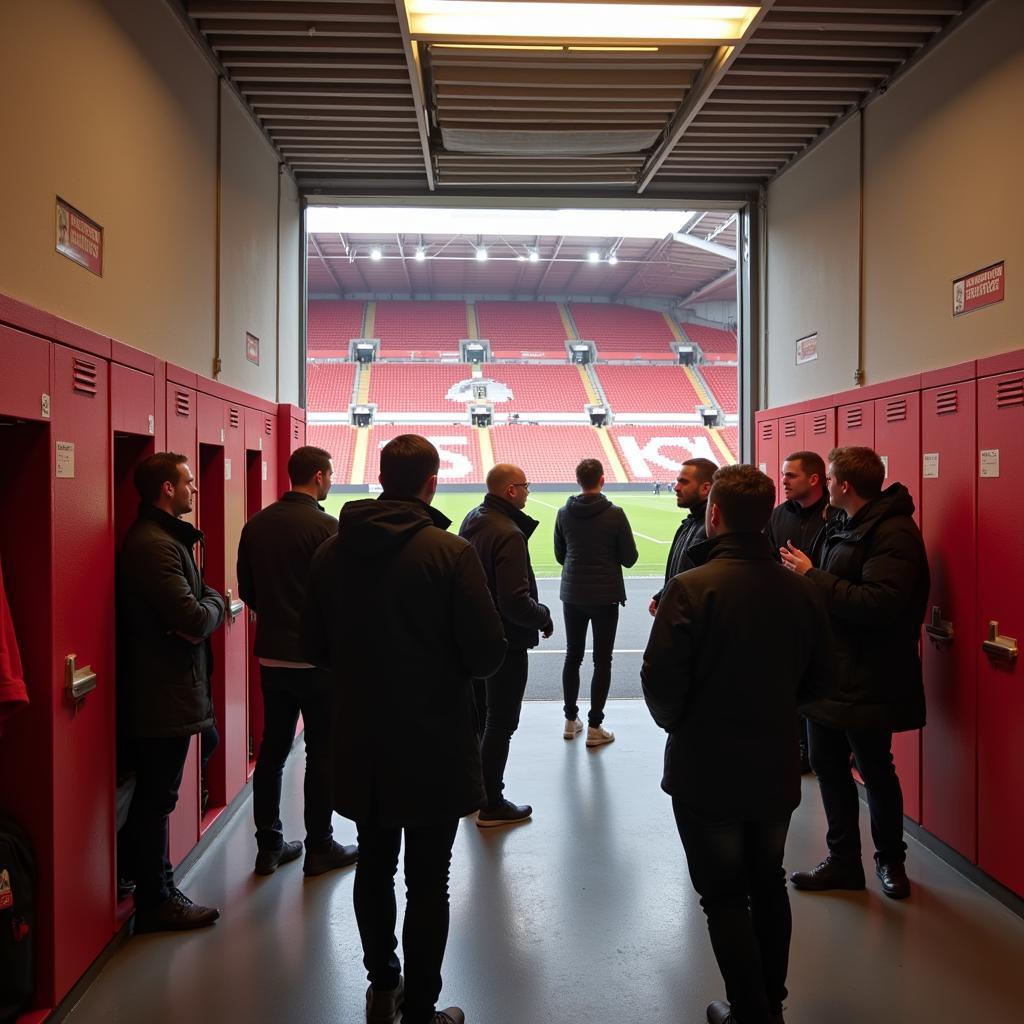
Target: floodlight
421	254
375	254
612	259
481	253
534	256
594	257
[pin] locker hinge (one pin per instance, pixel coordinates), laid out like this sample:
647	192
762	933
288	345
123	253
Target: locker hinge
217	366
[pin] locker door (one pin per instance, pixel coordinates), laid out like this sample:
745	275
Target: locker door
83	747
1000	683
768	449
791	439
856	425
948	523
819	431
182	437
268	426
898	442
25	380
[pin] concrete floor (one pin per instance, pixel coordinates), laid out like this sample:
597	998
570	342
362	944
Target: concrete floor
584	915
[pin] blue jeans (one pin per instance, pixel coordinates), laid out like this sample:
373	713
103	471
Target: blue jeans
736	868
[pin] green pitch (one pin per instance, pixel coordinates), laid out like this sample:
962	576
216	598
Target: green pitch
654	521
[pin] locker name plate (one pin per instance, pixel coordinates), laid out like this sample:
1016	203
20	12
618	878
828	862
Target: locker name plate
930	466
65	460
989	462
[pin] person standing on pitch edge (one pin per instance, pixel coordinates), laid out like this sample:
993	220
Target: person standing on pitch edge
593	543
274	553
499	530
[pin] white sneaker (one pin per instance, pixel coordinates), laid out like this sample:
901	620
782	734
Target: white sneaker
573	727
596	736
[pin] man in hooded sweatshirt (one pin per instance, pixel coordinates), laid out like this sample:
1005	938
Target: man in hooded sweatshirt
874	577
593	543
398	610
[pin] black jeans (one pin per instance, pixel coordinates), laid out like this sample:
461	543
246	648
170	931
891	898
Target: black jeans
736	868
830	759
428	854
605	619
159	765
502	698
287	692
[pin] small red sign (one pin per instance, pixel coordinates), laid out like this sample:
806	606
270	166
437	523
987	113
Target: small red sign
981	288
252	348
79	238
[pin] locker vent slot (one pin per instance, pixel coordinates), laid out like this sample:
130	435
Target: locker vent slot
855	417
789	428
268	426
295	430
896	410
819	423
182	403
1010	393
234	417
84	377
947	402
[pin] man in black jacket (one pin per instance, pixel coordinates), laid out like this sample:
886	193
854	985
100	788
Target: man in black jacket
875	581
274	553
593	542
693	485
499	530
166	615
398	610
725	683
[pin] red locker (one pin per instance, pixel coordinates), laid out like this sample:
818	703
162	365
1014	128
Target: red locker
898	442
855	424
767	439
949	653
819	432
1000	626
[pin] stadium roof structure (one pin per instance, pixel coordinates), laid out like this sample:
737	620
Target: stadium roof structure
375	97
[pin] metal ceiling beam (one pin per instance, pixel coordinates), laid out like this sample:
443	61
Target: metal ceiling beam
401	251
706	289
412	63
327	266
653	252
547	269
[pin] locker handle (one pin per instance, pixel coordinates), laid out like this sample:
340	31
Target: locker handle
234	607
999	648
937	629
78	681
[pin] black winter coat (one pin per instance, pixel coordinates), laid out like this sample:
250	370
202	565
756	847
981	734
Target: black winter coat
875	581
737	643
593	542
691	532
398	610
805	527
274	553
499	532
163	682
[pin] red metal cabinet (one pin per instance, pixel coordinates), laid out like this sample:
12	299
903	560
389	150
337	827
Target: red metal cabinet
949	650
767	441
819	432
1000	569
132	401
855	424
25	380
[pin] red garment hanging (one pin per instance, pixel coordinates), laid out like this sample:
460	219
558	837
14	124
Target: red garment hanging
13	693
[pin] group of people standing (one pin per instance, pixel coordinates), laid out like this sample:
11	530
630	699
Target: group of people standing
405	649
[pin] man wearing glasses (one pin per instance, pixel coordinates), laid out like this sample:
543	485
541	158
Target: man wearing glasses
499	530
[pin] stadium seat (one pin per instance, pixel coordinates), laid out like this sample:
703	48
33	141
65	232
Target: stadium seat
724	385
717	343
547	454
648	389
418	387
331	324
420	329
521	330
623	332
655	452
337	438
458	446
329	386
537	388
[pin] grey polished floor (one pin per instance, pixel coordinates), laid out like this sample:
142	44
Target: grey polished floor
584	915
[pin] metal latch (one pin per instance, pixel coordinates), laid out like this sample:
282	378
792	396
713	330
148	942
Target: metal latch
235	608
78	681
999	648
938	630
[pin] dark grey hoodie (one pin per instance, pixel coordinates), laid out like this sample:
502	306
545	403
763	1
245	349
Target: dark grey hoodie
593	542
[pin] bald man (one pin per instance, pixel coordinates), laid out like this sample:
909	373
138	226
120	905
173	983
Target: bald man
499	529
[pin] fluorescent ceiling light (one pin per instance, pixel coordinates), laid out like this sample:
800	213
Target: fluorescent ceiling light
495	19
498	46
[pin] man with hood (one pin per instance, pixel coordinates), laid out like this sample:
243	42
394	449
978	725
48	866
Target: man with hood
593	542
398	610
692	487
874	577
499	530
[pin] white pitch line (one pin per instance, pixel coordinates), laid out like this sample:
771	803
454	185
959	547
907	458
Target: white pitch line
653	540
589	651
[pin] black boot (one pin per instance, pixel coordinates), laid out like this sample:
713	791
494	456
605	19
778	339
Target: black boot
830	874
893	877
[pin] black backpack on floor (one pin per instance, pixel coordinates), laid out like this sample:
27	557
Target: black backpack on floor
17	920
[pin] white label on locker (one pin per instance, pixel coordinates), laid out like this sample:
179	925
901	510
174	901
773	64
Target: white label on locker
763	466
221	435
44	406
152	424
989	462
885	465
930	466
261	447
227	469
65	460
264	470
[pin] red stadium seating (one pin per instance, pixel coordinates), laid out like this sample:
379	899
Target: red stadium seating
332	324
337	438
547	454
654	453
648	389
731	437
537	388
623	332
329	386
418	387
458	446
521	330
716	343
424	329
724	384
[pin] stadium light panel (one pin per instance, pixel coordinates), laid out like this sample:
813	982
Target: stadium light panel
594	257
375	254
534	256
612	259
421	254
481	253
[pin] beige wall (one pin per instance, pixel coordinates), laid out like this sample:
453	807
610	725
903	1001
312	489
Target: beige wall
288	283
942	151
109	104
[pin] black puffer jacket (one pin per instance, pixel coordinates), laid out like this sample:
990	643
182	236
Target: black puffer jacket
398	610
790	521
593	542
499	531
691	532
875	581
163	683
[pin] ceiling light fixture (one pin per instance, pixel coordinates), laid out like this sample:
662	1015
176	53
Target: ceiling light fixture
421	254
375	254
481	253
594	257
534	256
612	259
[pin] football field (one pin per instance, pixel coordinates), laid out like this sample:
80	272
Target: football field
653	518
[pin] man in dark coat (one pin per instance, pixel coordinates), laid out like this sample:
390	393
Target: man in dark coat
499	530
593	542
166	615
725	683
274	553
875	582
398	610
693	485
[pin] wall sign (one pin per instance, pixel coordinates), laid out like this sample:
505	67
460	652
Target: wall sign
807	349
252	348
79	238
981	288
